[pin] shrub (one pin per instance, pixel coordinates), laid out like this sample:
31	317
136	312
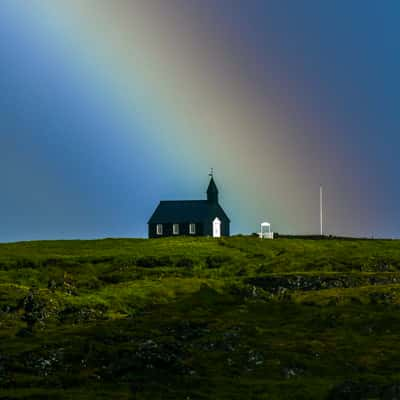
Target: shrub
51	262
33	309
22	263
111	278
147	262
216	261
185	262
4	266
151	262
124	262
62	263
101	260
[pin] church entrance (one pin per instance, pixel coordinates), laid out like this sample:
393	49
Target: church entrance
217	227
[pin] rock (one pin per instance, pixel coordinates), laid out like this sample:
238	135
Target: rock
3	370
292	372
391	392
52	285
149	357
350	390
188	330
255	358
34	309
277	284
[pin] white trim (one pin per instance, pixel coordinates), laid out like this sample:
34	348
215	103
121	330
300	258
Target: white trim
216	227
192	229
175	229
159	229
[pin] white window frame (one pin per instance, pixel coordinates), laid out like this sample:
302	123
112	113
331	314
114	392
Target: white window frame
175	229
159	229
192	229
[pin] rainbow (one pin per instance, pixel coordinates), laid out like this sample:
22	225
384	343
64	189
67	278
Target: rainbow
179	97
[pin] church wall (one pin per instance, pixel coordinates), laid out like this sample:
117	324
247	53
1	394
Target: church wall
183	230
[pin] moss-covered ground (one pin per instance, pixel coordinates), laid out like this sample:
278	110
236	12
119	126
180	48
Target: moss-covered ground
198	318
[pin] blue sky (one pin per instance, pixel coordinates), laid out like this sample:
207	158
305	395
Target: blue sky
90	141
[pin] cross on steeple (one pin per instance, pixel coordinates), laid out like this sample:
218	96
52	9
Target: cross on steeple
211	174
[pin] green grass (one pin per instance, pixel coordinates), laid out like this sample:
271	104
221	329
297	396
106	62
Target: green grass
199	318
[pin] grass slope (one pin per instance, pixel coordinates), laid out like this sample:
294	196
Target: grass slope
187	318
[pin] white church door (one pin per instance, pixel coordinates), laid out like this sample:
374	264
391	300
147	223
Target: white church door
217	227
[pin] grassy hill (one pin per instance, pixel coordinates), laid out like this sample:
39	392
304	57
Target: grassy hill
185	318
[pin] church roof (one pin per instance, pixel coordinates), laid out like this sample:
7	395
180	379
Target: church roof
181	211
212	187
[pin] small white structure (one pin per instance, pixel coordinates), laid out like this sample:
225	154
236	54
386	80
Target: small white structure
265	232
217	227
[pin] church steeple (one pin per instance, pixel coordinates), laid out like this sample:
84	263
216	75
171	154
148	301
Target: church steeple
212	191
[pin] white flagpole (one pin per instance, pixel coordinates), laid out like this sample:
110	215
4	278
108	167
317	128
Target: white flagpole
320	209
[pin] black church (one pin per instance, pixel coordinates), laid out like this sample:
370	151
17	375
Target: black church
190	217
